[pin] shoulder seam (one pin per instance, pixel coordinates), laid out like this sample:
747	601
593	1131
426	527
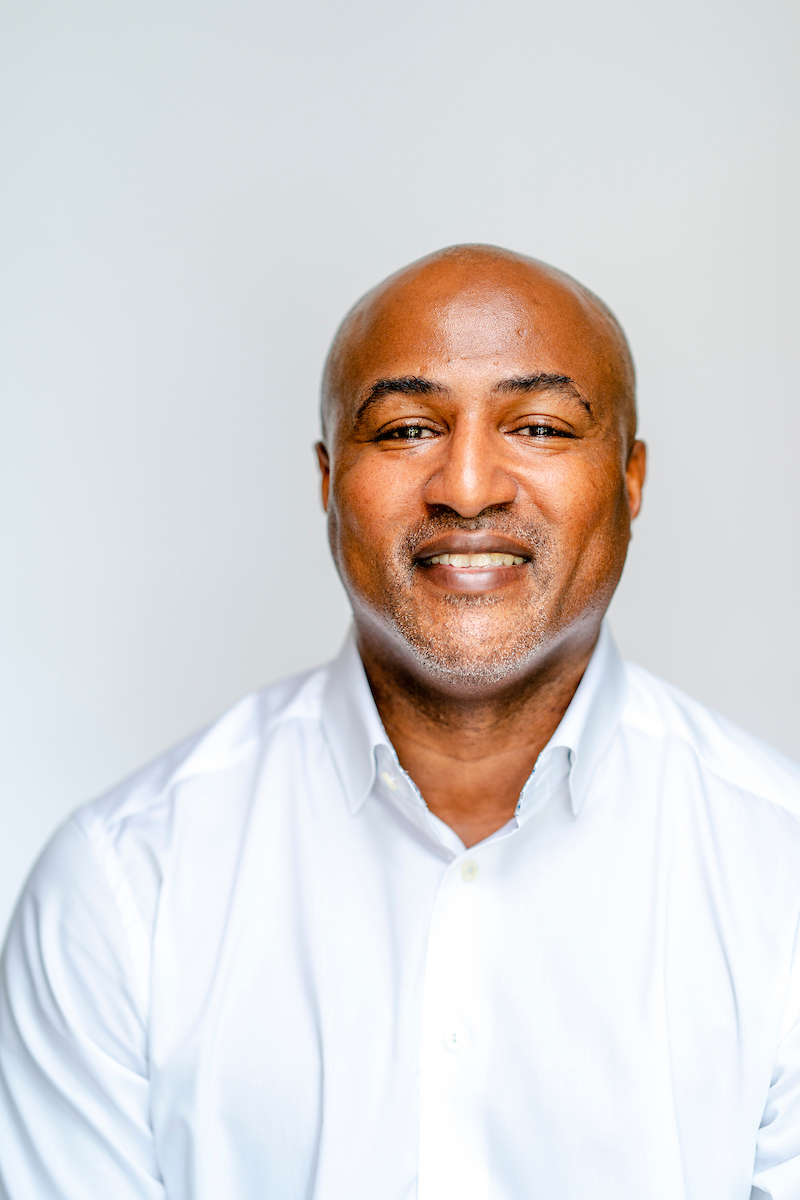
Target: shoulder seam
709	766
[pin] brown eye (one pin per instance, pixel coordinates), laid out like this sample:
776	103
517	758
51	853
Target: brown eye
406	433
542	430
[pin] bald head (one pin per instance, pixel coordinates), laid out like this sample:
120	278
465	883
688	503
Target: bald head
507	299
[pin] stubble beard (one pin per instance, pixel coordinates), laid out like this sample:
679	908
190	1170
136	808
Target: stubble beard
469	639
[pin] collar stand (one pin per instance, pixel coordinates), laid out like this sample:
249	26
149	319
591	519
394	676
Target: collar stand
361	751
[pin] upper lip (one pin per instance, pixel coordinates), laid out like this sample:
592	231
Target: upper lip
471	541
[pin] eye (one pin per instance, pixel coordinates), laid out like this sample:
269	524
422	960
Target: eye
406	433
541	429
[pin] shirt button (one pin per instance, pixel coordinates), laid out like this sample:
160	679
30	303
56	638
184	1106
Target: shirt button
454	1039
469	870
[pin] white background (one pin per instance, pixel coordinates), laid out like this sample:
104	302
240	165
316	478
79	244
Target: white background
194	193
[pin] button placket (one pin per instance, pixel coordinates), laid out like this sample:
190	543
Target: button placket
455	1040
469	870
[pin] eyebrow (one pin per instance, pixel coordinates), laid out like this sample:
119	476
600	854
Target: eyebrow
405	385
544	382
416	385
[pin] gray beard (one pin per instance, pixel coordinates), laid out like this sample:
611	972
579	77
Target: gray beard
449	658
445	652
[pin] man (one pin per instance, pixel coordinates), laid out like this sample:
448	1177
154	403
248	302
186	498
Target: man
477	912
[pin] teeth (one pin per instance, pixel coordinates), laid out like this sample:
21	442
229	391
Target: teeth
477	560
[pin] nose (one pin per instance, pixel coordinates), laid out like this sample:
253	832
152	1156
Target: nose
472	474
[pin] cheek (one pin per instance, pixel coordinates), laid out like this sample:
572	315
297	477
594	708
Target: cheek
374	502
571	494
586	507
364	519
359	517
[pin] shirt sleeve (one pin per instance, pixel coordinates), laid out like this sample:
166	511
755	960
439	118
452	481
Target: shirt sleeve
74	1091
776	1173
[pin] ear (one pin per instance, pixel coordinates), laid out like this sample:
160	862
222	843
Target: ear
325	469
635	471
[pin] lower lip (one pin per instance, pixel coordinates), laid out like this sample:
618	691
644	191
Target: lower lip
473	579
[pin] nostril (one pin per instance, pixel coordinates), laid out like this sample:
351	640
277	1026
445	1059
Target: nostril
470	491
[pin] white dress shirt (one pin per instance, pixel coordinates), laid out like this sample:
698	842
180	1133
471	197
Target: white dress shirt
263	970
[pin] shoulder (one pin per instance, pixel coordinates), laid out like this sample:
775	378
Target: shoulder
125	839
728	816
230	742
720	749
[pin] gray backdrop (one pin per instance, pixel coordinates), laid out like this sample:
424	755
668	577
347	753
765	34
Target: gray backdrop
195	192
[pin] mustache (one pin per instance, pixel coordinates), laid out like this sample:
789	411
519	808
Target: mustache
531	536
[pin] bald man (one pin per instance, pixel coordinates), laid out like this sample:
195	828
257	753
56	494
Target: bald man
478	911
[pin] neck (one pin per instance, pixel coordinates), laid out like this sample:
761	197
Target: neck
470	752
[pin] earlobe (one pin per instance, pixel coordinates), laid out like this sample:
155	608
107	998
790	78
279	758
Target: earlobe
325	468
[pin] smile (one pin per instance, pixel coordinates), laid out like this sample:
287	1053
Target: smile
474	560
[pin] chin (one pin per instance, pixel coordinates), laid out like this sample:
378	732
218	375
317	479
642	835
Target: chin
468	652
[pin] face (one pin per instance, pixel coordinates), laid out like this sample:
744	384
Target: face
479	477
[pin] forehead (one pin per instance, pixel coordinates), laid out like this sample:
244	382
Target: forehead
498	320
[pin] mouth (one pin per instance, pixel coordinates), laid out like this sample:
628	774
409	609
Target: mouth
472	561
475	560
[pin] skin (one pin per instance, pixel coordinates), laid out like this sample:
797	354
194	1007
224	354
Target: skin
478	401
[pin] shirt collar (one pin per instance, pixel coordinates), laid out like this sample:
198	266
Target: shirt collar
351	725
354	731
592	718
